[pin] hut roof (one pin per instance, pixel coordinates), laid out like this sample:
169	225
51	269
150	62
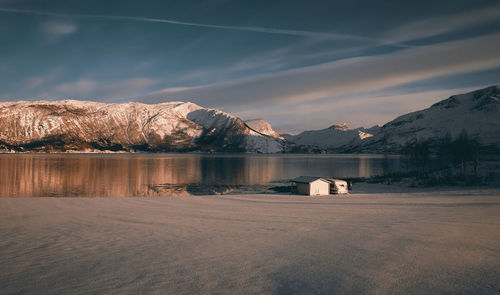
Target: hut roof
332	180
308	179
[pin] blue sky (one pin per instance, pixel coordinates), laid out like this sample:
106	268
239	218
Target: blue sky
298	64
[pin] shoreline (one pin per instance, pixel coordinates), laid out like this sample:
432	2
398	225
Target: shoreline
360	189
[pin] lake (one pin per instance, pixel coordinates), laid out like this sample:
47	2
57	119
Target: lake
125	175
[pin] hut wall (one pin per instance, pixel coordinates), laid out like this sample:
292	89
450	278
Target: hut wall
319	187
303	188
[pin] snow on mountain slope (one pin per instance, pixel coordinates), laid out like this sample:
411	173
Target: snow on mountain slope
82	125
334	136
477	112
263	127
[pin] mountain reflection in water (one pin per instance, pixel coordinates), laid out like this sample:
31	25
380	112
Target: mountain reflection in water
125	175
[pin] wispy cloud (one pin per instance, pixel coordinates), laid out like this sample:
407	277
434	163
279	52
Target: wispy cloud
74	89
87	89
47	77
54	30
443	24
299	33
278	59
33	82
125	89
349	76
363	110
268	61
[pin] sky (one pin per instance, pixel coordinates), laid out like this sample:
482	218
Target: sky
300	65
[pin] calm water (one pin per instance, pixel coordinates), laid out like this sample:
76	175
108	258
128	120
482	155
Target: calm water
119	175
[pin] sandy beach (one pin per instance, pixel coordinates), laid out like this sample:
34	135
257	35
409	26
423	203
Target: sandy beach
431	242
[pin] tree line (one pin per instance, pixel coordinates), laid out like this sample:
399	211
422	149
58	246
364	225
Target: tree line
450	154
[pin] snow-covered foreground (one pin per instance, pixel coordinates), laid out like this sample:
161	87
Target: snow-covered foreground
403	243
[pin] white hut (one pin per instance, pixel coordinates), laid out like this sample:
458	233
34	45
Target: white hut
338	186
312	186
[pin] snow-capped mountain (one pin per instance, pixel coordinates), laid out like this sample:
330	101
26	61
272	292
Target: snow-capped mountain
263	127
332	137
71	125
83	126
477	112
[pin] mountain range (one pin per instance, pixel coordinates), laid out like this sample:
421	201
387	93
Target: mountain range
477	113
333	137
70	125
83	126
